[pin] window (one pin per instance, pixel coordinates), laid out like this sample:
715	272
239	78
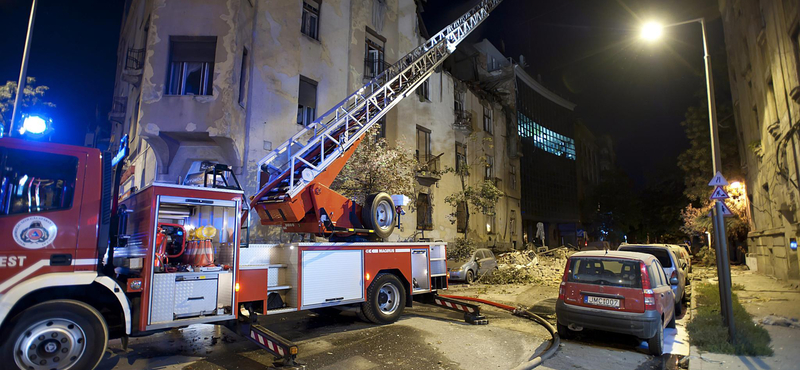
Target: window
546	139
191	65
243	75
310	25
488	126
461	218
608	272
424	91
489	168
461	157
512	175
34	182
423	145
772	101
458	101
512	223
307	101
424	212
655	280
374	61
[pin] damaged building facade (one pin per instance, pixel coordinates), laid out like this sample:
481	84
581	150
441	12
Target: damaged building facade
226	81
540	134
763	48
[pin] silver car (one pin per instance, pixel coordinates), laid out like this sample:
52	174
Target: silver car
482	262
671	264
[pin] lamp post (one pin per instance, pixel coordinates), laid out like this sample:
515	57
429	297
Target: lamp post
652	31
23	73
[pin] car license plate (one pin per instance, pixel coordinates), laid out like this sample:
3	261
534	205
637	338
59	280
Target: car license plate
600	301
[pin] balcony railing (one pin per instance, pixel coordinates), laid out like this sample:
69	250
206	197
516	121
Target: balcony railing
374	67
134	59
429	170
118	109
463	120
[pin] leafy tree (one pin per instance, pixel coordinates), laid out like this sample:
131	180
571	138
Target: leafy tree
375	167
480	197
32	99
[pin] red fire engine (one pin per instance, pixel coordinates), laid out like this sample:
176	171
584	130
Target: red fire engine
82	265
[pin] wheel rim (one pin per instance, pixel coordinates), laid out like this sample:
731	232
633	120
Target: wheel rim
384	215
50	344
388	299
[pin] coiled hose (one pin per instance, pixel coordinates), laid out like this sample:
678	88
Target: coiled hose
519	311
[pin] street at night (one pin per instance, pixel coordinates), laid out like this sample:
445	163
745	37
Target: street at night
399	184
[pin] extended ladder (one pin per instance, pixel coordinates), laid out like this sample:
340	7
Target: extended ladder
333	136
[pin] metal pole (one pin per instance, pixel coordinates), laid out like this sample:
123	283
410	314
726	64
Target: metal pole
723	263
23	73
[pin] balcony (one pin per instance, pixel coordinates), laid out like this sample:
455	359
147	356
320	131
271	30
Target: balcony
463	120
429	169
134	64
118	109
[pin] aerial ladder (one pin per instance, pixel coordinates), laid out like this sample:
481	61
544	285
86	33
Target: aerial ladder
299	172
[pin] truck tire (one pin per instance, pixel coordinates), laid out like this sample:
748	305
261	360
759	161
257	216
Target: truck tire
59	334
379	214
386	299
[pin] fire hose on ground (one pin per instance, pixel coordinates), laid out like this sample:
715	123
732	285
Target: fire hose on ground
518	311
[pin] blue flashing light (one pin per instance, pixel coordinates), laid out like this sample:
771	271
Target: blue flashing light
793	244
34	125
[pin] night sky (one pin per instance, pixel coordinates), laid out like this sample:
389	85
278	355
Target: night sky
74	52
589	51
586	50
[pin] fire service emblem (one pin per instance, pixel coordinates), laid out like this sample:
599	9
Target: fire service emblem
35	232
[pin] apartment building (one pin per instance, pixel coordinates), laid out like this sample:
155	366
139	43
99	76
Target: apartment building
227	81
763	48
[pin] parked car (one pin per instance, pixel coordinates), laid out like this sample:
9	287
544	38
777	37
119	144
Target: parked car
619	292
482	262
669	261
686	259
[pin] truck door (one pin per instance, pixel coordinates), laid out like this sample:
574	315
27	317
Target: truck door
40	213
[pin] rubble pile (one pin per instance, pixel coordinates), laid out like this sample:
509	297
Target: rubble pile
529	267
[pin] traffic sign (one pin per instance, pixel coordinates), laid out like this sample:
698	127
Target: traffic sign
719	194
726	212
718	180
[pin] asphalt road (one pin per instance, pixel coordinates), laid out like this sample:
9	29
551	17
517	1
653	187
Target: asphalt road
424	338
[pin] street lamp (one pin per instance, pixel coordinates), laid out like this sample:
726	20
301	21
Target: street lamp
651	31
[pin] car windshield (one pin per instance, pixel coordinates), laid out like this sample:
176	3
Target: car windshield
612	272
661	254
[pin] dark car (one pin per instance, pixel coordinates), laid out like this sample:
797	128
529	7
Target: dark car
620	292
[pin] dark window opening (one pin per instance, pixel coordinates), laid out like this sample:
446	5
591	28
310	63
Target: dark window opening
307	101
424	212
191	66
310	25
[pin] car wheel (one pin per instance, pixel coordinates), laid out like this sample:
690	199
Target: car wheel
470	277
386	299
656	343
563	331
61	334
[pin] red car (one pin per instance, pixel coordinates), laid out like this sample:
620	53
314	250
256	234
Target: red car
620	292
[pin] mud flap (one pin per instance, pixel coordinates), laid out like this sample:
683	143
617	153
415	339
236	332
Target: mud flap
472	313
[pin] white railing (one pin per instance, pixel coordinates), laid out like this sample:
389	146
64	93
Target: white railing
362	109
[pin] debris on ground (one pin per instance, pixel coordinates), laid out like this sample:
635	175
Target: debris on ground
780	321
527	267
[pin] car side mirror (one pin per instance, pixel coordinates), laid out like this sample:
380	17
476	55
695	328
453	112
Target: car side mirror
673	281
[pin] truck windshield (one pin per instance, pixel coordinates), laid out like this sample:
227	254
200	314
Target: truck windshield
33	182
599	271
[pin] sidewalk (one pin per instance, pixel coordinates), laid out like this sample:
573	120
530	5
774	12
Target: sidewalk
762	297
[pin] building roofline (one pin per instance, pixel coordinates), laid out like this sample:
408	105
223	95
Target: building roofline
530	81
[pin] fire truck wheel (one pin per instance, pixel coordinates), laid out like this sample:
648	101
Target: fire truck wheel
379	214
386	299
60	334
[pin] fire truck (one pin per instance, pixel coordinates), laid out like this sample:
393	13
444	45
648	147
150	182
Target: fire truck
81	265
